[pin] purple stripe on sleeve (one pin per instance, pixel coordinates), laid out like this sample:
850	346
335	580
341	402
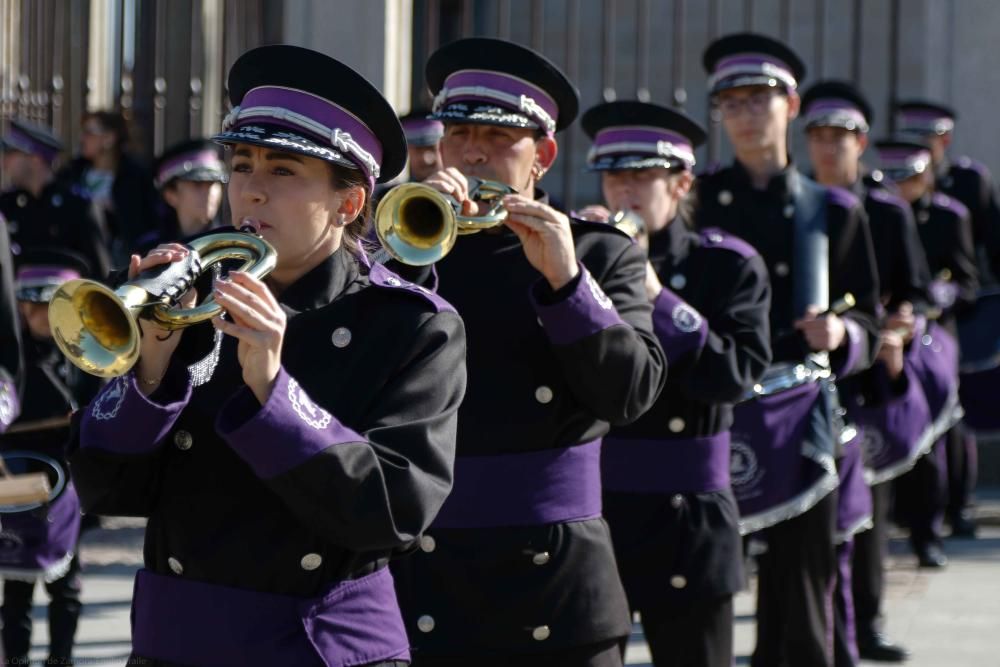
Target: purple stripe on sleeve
121	419
588	310
680	328
286	431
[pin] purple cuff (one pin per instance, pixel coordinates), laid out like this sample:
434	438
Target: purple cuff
680	328
285	432
121	419
853	341
10	406
586	311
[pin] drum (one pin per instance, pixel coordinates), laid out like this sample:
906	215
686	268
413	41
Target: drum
782	448
979	363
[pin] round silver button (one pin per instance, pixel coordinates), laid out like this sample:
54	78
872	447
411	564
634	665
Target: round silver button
183	440
425	623
393	281
725	197
781	269
541	558
22	200
175	565
926	339
427	544
923	216
541	633
676	501
715	237
543	395
678	281
676	425
678	581
788	211
341	337
311	561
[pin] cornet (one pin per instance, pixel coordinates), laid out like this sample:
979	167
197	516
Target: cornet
418	225
97	328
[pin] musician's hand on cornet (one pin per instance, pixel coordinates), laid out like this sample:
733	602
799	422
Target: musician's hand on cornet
902	322
452	182
157	344
890	353
822	333
258	322
546	237
594	213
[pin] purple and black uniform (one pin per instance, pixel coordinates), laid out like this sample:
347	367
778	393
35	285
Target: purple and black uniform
673	517
11	360
794	588
271	526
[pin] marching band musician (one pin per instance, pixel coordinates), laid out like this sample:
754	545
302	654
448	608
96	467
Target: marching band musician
518	567
673	517
945	231
318	442
838	119
189	176
423	135
42	542
11	359
969	182
817	247
41	210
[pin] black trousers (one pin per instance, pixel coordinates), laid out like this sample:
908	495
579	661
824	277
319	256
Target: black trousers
795	580
845	645
871	548
609	653
921	495
963	460
697	633
137	661
64	612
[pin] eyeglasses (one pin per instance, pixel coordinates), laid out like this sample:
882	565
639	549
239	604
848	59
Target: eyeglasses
757	103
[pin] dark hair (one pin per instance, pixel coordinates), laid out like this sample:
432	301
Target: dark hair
355	233
112	121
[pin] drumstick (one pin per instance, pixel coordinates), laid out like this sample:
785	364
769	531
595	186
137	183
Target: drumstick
841	306
39	425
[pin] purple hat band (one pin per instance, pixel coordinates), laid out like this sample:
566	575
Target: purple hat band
644	141
24	142
837	113
304	112
748	64
503	90
423	132
45	275
182	164
925	120
914	161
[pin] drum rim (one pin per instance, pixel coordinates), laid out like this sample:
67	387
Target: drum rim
57	488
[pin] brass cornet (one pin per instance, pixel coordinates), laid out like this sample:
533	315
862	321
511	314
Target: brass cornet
97	328
418	225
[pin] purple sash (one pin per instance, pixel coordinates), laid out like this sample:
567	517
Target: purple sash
684	465
854	502
194	623
782	460
895	434
530	489
41	542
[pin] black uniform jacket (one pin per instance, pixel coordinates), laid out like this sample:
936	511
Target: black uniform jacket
946	233
348	461
530	588
56	218
971	183
674	547
765	219
903	273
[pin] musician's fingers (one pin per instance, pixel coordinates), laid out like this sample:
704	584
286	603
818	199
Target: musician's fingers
245	314
247	298
259	289
245	334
